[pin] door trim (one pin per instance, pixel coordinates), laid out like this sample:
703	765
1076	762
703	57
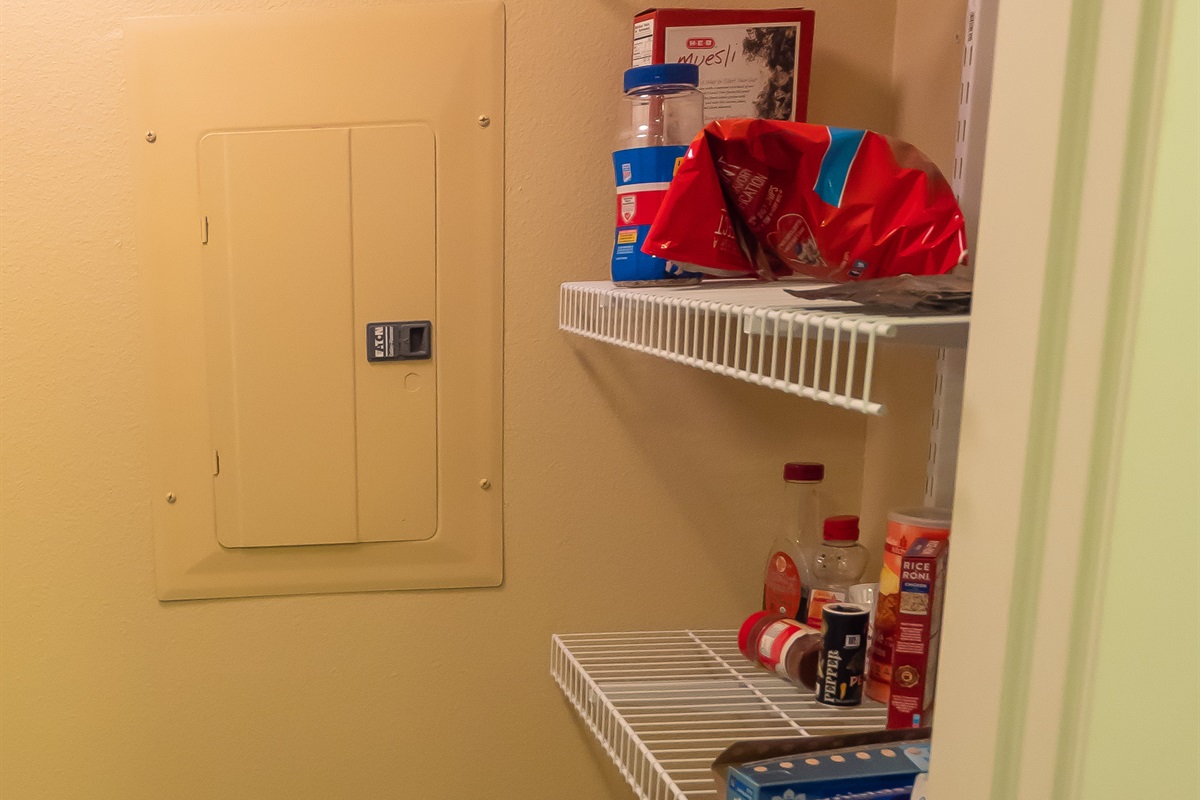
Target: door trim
1064	197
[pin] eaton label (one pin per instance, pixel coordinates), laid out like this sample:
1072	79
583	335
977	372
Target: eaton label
409	340
383	341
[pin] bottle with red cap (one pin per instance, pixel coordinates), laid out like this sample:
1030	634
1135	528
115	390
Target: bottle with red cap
788	576
837	564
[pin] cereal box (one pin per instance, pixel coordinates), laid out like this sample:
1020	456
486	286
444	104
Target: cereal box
752	63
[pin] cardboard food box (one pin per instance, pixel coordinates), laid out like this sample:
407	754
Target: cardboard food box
752	63
751	753
918	634
870	771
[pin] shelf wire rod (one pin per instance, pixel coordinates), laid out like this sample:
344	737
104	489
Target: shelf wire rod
770	703
728	325
869	367
850	357
775	349
835	361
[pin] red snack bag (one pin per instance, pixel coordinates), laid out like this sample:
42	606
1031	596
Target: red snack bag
771	199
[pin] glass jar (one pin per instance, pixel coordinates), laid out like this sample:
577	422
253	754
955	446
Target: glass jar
781	645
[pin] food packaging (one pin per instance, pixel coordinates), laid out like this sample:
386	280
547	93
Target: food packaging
752	63
765	199
661	112
881	769
783	646
928	294
904	528
843	656
748	751
915	653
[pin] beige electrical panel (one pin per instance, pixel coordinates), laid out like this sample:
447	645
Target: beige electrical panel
312	235
320	227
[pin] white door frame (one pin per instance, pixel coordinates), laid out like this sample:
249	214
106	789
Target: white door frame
1074	106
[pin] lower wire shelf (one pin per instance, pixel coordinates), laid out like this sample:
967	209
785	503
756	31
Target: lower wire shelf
664	704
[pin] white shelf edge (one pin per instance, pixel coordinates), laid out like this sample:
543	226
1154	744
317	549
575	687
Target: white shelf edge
753	332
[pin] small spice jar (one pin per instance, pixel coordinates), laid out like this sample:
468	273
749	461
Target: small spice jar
781	645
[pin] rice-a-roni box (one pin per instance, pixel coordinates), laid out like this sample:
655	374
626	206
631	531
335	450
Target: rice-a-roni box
752	63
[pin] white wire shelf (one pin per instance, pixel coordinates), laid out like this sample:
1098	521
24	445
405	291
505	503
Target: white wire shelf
754	332
664	704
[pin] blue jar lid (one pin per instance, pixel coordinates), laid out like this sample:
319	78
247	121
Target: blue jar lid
658	74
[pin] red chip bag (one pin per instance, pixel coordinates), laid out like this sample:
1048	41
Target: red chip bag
770	199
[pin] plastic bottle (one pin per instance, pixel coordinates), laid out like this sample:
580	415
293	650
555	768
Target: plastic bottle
788	577
838	564
661	112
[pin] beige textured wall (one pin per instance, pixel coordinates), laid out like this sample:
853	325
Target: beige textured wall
639	493
925	72
927	67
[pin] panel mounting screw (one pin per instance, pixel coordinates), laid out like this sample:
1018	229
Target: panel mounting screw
151	137
170	497
485	484
484	121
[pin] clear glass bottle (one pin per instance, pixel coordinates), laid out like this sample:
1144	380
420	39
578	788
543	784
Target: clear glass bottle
788	574
661	112
837	565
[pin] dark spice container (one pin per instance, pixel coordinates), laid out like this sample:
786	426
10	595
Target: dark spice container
843	654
